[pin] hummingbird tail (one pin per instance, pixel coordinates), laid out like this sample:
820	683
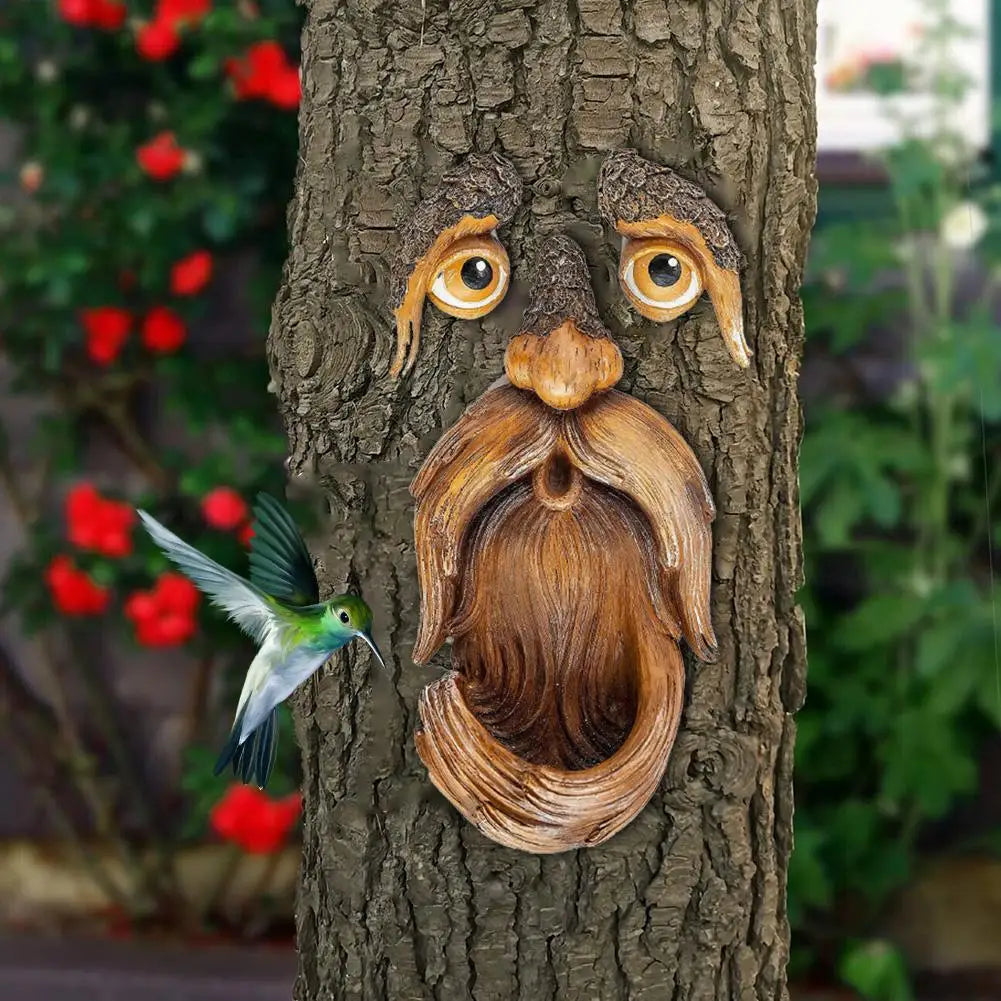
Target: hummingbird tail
255	757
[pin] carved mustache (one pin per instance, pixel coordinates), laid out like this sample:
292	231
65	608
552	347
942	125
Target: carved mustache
565	552
614	440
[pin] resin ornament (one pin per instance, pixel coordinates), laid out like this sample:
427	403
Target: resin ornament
563	543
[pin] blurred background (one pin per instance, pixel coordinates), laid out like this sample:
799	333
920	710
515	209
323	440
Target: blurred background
148	152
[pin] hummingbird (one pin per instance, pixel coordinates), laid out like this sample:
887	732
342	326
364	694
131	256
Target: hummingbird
279	608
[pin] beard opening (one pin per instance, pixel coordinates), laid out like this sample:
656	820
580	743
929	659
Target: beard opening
565	554
558	579
549	546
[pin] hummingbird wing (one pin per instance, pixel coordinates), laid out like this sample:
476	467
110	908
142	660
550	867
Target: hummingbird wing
280	564
244	603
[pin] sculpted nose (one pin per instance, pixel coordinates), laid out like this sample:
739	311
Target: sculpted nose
563	367
564	353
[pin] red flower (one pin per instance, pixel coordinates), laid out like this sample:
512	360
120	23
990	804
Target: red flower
107	328
165	629
252	75
105	14
182	12
157	40
161	157
163	330
191	274
246	533
265	72
92	522
286	89
224	508
251	819
164	615
73	591
175	592
78	12
108	14
140	606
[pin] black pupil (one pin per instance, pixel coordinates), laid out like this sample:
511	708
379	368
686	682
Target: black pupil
344	616
664	270
476	274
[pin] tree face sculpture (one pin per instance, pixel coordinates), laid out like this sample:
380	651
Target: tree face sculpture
562	527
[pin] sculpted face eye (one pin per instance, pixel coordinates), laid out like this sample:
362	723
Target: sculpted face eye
472	278
675	244
448	250
660	277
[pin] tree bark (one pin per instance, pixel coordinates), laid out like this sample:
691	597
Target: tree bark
400	897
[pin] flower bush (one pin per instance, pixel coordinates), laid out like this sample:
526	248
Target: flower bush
155	151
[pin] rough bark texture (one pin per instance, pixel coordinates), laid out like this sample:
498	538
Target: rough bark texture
400	897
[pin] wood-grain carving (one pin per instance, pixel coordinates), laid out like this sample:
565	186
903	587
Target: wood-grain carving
563	543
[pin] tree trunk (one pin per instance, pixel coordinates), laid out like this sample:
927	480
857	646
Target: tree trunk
401	898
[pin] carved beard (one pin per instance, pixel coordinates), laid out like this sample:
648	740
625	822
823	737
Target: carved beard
565	553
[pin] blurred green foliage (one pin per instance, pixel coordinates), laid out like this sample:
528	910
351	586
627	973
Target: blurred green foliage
877	971
899	484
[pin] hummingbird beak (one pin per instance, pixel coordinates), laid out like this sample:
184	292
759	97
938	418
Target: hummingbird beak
371	643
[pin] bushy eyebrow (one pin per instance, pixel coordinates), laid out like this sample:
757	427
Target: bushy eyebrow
644	200
633	190
473	198
480	186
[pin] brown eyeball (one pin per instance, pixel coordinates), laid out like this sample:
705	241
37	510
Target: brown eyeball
465	273
448	250
660	278
664	267
472	278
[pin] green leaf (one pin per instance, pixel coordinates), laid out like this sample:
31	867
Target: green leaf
876	969
203	66
850	472
220	219
927	761
883	496
809	883
851	254
880	619
202	789
938	646
989	691
841	510
142	221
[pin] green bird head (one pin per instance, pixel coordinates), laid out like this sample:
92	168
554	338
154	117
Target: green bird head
349	614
